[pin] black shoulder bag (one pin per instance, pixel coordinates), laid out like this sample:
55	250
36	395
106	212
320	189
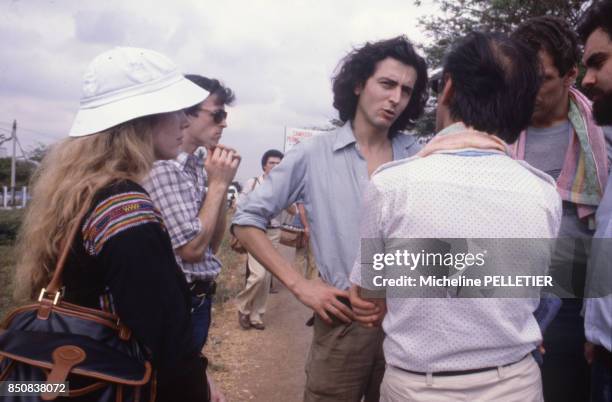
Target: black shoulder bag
53	341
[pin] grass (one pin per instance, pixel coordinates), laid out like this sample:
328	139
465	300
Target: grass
10	219
7	273
229	282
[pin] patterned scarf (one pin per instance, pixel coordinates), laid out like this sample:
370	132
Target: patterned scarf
585	167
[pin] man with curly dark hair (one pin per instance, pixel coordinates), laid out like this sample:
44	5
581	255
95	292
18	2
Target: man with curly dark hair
379	90
595	30
564	141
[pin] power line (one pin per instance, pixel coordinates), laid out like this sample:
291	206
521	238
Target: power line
48	135
21	148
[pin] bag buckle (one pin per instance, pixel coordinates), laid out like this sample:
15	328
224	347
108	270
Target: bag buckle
43	293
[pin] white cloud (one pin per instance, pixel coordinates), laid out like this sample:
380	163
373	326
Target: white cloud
278	56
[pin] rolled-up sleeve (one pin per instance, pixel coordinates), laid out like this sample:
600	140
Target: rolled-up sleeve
168	191
281	188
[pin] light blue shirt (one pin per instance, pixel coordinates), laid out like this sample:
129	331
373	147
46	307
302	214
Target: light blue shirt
330	174
598	311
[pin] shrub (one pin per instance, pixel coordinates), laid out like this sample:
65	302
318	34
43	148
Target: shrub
10	220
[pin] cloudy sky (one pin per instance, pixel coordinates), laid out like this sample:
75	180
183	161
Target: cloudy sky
278	56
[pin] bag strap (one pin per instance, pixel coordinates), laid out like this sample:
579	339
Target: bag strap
56	281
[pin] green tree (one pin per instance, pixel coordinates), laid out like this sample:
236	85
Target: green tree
23	172
38	152
460	17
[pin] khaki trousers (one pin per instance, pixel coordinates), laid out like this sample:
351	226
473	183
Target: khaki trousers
519	382
306	263
345	363
253	298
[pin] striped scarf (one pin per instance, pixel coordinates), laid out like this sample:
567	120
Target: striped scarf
585	167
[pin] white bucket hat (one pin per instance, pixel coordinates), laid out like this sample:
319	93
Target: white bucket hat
125	83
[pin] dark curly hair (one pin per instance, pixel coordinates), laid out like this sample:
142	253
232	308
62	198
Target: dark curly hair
360	64
553	35
225	96
599	15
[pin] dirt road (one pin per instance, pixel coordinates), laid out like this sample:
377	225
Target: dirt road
268	365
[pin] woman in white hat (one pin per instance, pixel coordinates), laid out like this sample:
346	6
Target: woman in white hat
130	115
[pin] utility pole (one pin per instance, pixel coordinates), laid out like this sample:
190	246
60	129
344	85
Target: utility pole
13	162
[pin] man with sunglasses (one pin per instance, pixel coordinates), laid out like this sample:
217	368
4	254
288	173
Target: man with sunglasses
193	214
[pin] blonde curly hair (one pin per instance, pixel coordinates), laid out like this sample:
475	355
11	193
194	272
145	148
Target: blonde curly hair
67	180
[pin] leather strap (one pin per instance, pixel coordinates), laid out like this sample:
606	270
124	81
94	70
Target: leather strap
64	359
56	281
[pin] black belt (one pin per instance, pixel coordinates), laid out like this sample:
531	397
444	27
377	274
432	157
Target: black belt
459	372
203	288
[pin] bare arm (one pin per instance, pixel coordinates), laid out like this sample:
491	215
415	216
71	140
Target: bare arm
221	165
316	294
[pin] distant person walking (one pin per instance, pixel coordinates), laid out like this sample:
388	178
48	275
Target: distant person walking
253	298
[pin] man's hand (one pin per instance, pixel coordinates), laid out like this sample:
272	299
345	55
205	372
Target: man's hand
368	312
221	165
322	299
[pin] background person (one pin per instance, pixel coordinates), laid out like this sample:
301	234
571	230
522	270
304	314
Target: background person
252	300
563	141
595	29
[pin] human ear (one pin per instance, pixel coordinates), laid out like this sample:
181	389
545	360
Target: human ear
448	91
358	89
570	77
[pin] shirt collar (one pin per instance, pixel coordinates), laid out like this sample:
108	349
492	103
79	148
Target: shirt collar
453	128
489	145
194	160
344	136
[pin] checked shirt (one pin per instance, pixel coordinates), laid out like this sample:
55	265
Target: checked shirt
178	189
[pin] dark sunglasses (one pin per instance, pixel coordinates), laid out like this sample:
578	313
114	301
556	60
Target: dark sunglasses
218	115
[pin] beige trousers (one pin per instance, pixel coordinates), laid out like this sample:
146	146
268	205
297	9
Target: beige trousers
305	262
253	298
519	382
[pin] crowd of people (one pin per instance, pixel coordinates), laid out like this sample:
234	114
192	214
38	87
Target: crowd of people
519	152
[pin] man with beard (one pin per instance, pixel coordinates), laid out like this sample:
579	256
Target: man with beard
595	30
564	141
